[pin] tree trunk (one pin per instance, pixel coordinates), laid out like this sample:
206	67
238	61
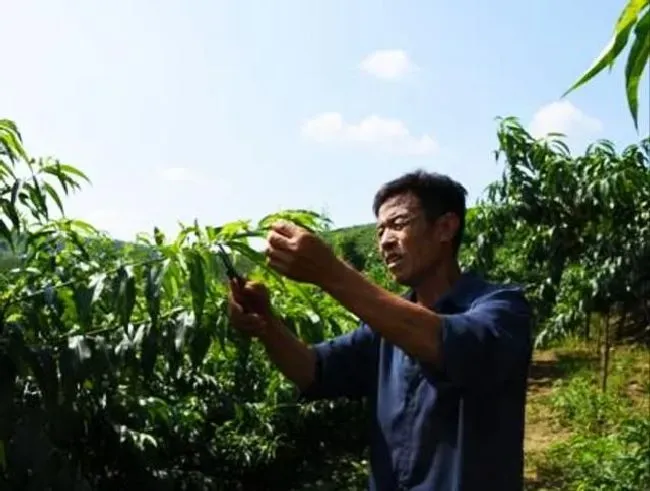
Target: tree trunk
604	355
620	331
599	335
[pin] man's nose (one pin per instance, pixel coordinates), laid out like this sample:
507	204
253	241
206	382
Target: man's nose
387	240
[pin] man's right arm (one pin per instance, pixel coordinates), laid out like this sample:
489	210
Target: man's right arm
295	359
341	367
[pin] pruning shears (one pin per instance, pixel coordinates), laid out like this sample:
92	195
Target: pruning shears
231	272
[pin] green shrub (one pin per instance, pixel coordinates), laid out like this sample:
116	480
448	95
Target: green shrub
578	404
619	461
609	446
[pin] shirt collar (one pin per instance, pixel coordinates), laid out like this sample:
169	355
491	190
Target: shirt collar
459	296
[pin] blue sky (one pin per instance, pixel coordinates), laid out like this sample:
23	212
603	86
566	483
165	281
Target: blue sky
224	110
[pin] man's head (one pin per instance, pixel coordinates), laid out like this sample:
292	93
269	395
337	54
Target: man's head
420	223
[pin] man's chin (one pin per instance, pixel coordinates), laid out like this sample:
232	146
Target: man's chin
402	279
400	274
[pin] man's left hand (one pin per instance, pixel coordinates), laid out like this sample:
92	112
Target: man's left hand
300	255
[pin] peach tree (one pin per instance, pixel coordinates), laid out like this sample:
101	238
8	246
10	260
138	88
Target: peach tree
118	364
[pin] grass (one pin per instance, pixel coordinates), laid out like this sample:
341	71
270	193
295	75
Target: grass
573	431
581	438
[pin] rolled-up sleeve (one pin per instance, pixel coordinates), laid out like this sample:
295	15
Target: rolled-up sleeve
346	366
491	341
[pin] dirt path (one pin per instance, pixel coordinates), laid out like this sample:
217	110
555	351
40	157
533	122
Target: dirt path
540	430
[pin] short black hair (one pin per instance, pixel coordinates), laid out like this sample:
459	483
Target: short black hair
438	194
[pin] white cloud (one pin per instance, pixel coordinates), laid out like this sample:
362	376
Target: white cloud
178	174
563	117
384	134
388	64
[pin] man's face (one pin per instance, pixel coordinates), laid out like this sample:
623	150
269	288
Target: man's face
410	245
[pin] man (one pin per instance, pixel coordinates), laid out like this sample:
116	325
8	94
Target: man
444	367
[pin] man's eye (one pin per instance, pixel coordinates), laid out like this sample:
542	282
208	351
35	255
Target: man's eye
397	224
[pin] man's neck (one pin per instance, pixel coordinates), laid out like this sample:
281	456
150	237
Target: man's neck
437	283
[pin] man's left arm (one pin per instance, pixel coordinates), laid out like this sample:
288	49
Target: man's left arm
475	347
491	341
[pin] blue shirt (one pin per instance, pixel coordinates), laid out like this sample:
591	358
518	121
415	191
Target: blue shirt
456	427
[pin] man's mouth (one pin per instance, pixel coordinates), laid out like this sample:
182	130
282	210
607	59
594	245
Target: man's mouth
392	259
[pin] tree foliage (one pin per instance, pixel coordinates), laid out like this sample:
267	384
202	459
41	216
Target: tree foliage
118	366
574	229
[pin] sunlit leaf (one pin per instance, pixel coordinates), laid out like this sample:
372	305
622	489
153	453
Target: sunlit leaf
196	266
637	58
636	64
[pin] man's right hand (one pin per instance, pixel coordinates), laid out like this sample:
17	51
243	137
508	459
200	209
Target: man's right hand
249	308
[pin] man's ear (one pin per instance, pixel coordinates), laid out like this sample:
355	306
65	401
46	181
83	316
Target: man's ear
448	225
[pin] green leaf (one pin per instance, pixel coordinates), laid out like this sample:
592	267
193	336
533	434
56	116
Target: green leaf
630	13
181	327
612	49
85	297
159	237
218	327
154	275
149	352
38	198
15	190
125	294
54	195
12	140
196	266
82	295
61	171
12	213
78	345
6	234
73	363
636	63
43	366
199	344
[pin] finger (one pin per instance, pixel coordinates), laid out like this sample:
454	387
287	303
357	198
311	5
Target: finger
257	291
235	309
237	313
243	289
279	268
253	288
235	286
238	286
279	256
276	240
236	294
285	228
279	262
